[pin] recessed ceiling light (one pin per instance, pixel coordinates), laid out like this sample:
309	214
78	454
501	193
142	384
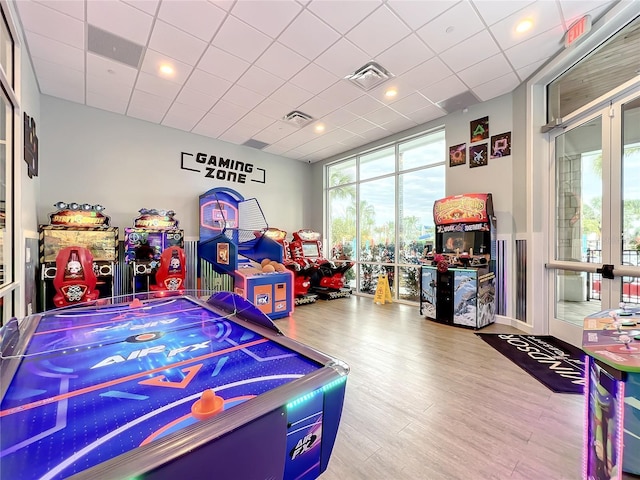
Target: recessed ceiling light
166	69
319	128
392	92
524	25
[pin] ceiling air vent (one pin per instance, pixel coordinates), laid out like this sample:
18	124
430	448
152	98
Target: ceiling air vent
299	119
253	143
369	76
114	47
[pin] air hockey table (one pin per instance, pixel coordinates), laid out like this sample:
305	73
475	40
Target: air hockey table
164	388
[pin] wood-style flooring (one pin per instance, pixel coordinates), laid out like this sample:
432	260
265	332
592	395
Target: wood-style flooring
435	402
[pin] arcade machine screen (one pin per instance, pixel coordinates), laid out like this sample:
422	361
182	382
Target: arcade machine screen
102	244
154	242
311	250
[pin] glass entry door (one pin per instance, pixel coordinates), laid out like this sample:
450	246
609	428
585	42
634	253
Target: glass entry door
596	216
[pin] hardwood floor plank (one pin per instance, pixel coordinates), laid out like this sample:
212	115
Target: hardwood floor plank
435	402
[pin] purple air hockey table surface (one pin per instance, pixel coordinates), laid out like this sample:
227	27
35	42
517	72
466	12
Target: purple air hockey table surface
108	392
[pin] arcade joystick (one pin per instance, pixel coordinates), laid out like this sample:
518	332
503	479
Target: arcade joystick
623	310
208	406
626	340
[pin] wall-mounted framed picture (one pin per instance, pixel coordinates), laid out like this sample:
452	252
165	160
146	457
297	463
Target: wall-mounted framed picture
478	155
479	129
458	155
500	145
30	146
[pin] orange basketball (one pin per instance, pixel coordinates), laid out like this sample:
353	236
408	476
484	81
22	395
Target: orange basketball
265	261
268	268
280	268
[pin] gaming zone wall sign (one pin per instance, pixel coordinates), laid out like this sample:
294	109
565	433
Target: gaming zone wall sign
223	169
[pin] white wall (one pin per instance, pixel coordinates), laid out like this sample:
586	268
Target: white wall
124	164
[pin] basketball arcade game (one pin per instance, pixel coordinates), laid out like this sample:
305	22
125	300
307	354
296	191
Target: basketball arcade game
154	389
233	240
153	232
459	286
83	226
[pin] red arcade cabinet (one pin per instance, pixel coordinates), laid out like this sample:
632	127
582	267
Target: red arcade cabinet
327	279
75	281
172	271
77	225
459	286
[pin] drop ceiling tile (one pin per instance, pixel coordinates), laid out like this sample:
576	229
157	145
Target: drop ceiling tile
410	104
270	17
107	88
545	16
107	103
399	125
148	6
272	109
121	19
64	90
493	11
308	35
272	148
383	116
223	4
339	117
343	16
470	51
260	81
196	17
450	28
211	125
110	70
429	72
153	60
56	52
222	64
342	58
537	48
50	72
276	132
496	87
195	98
313	78
363	105
51	24
175	43
359	126
378	31
426	114
257	120
525	72
243	97
319	107
238	133
183	117
291	96
148	106
232	112
68	7
376	133
206	83
573	11
241	40
416	13
157	86
341	93
447	88
489	69
405	55
281	61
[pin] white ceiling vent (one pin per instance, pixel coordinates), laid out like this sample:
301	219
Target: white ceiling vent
369	76
297	118
114	47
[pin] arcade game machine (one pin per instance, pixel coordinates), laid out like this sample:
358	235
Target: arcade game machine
458	287
233	241
611	341
301	272
153	232
84	227
327	278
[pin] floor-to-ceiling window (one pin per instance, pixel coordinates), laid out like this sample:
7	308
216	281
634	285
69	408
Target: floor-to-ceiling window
380	211
7	108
